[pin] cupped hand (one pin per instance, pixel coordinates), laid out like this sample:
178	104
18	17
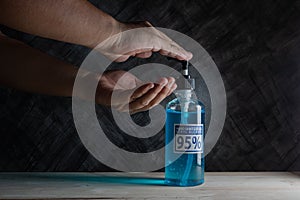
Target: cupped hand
124	92
140	39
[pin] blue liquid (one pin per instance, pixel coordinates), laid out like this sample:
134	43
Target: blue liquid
188	169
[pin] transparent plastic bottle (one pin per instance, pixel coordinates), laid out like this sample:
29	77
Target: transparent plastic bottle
185	132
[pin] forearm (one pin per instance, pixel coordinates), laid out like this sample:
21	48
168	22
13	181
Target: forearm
74	21
27	69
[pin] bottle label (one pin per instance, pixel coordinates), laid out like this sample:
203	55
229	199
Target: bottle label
188	138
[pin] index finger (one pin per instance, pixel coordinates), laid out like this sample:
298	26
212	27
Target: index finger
173	50
140	91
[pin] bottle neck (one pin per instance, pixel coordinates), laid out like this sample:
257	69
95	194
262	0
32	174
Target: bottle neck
185	95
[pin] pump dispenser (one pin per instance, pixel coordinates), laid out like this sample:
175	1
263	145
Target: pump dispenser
184	157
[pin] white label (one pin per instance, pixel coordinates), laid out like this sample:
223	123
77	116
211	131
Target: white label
188	138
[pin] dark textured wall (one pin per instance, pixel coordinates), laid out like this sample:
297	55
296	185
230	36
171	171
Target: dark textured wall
255	44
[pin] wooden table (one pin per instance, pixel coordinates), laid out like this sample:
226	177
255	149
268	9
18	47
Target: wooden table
227	185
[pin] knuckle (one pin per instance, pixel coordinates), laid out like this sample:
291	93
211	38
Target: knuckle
144	102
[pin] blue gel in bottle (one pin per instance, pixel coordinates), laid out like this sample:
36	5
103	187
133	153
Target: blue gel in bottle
184	152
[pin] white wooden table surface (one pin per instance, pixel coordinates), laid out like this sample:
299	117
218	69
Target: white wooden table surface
225	185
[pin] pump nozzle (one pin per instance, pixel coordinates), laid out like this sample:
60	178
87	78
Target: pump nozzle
185	68
186	82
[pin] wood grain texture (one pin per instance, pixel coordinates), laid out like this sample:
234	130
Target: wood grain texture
256	46
231	186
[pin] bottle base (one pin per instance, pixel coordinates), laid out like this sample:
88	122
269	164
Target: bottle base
183	183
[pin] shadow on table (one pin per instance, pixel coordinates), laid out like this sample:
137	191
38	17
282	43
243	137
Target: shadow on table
99	178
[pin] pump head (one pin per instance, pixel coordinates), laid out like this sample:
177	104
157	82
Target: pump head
185	82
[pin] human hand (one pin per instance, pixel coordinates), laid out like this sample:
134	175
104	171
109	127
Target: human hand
124	92
141	42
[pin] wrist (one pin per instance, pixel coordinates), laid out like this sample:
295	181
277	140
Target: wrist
86	81
106	29
103	94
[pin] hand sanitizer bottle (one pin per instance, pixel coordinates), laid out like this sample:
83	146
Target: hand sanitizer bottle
185	133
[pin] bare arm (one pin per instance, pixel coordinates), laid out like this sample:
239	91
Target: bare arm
28	69
74	21
79	22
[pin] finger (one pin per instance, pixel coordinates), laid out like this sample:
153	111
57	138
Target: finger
174	86
145	99
166	91
148	97
144	54
138	51
124	97
148	100
171	82
122	58
168	53
141	53
154	102
141	91
179	51
172	49
161	96
180	58
175	52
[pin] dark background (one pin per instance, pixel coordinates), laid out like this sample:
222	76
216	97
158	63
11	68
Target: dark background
256	46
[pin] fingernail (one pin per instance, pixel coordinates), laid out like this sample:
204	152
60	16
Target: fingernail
163	82
171	83
189	55
151	85
174	86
